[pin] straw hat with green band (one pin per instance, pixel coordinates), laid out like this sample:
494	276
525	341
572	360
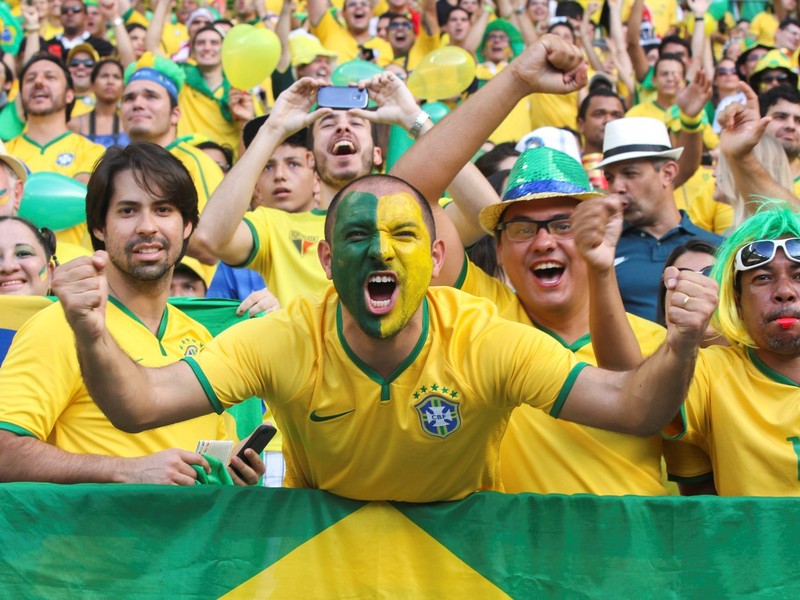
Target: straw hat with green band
540	173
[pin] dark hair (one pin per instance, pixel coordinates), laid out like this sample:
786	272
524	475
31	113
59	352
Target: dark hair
453	9
674	39
484	252
789	21
101	63
299	139
666	57
569	9
154	170
489	161
226	150
222	22
771	97
566	24
44	236
380	182
206	28
693	245
39	56
595	93
9	74
131	26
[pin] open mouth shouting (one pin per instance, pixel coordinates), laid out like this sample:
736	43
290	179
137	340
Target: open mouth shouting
343	147
548	273
381	292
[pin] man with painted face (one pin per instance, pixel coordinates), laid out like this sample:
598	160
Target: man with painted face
399	390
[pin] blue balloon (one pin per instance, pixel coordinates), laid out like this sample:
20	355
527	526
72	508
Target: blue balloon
53	200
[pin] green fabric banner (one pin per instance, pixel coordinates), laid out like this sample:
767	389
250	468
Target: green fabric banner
136	541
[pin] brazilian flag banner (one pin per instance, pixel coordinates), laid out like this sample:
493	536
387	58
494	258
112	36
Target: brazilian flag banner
138	541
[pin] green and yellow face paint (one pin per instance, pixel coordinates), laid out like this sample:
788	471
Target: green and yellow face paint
382	263
4	196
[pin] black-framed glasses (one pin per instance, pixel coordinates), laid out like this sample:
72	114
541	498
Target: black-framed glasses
761	252
524	230
82	62
65	10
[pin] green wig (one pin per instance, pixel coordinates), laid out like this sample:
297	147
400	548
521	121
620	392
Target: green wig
773	220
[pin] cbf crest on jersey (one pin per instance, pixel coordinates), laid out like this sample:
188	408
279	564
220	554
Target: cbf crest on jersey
65	159
438	416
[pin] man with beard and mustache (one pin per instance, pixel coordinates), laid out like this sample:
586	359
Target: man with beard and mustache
47	144
141	208
350	36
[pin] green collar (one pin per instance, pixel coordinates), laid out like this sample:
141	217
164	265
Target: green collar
573	347
768	371
369	371
195	80
162	327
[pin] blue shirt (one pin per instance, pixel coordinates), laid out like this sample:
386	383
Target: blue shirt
237	284
640	262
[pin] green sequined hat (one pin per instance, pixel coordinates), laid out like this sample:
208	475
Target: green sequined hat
540	173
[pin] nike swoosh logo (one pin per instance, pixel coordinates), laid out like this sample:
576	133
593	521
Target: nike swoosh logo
319	419
620	260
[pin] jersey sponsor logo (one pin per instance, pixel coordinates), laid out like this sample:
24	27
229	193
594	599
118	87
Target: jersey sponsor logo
438	415
320	418
303	243
619	260
65	159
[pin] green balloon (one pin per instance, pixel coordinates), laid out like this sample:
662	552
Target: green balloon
718	8
354	71
53	200
399	141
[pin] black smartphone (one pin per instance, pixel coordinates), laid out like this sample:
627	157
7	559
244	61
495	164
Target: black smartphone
341	97
258	441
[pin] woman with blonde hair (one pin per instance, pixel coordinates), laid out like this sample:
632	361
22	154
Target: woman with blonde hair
771	155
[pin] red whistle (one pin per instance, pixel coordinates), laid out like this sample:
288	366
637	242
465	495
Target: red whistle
786	322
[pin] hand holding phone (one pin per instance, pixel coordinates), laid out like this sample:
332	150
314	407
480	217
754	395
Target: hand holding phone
342	97
257	442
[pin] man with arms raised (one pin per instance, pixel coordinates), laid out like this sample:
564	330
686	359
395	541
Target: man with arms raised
141	209
391	343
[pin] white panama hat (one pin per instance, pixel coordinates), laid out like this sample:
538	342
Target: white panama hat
636	137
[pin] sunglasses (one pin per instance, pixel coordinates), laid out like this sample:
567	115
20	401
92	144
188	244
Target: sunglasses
728	71
400	25
704	271
778	77
81	62
761	252
527	229
65	10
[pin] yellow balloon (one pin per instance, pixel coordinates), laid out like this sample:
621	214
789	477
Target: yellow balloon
444	73
249	55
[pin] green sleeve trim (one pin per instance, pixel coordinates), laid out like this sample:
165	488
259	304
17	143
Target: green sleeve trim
567	388
696	479
256	245
462	277
16	429
676	428
205	383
